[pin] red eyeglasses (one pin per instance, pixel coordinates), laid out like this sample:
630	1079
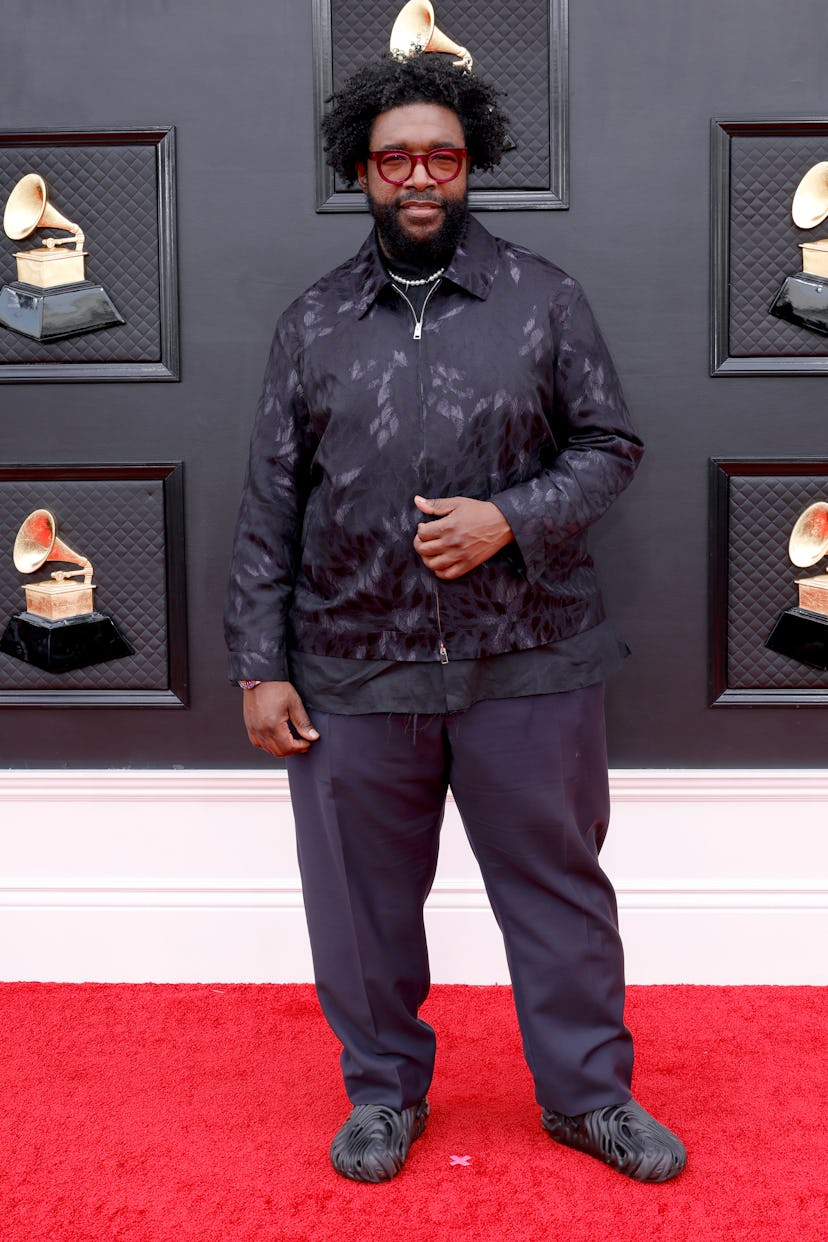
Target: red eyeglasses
442	165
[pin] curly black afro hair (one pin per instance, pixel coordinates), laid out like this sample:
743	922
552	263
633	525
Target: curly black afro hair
390	82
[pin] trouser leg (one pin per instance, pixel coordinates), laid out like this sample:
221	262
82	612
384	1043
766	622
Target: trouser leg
368	801
530	780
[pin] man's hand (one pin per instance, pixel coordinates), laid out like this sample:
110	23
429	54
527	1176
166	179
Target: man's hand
267	709
466	533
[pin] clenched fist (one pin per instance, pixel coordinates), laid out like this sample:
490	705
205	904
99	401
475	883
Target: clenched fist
465	533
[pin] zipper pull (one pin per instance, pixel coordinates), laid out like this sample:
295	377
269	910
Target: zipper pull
443	653
418	330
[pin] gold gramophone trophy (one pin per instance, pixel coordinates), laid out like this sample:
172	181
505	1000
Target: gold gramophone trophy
803	298
414	31
51	298
802	633
60	629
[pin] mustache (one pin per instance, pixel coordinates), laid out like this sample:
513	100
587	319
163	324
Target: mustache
417	196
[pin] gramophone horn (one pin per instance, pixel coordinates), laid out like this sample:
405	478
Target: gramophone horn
810	202
37	543
28	208
809	537
414	31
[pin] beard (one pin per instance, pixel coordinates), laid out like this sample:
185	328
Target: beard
433	251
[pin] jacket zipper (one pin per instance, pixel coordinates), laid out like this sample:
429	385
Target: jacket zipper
418	322
441	645
417	336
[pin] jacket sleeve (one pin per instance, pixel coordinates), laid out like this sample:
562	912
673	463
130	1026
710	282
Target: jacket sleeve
596	450
266	547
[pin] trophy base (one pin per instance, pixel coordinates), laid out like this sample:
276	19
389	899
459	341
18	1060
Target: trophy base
61	646
803	300
802	636
52	314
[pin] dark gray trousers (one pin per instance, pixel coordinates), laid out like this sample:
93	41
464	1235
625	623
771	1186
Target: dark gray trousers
529	777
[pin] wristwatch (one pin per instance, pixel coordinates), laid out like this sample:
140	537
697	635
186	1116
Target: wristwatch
249	685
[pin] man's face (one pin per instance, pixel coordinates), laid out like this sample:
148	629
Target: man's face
420	221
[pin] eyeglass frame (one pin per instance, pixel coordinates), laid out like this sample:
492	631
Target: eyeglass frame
422	158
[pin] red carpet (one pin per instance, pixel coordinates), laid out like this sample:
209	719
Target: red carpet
168	1113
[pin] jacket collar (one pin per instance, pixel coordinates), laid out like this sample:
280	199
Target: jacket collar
472	267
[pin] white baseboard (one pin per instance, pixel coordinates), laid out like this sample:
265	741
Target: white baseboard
181	876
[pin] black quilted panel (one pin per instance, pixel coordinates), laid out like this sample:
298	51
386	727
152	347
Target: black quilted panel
110	191
765	172
119	525
763	580
510	45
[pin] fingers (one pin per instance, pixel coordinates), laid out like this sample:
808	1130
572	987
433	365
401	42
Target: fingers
279	742
446	567
443	525
441	506
446	559
447	575
276	720
466	534
428	535
440	549
300	720
441	543
461	536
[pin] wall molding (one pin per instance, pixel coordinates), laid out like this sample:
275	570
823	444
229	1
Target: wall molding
706	785
131	785
190	875
243	785
286	894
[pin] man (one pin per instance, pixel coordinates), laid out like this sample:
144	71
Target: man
412	607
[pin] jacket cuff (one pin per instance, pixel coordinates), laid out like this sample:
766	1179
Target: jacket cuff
528	529
246	666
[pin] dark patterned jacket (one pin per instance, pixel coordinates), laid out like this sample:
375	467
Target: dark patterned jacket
506	393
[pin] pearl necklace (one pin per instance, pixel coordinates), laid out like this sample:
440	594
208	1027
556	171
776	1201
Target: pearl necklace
426	280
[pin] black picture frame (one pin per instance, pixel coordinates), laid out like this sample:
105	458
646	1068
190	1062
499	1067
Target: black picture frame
166	526
754	245
501	64
754	503
157	261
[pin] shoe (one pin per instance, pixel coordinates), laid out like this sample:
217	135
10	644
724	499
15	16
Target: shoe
625	1137
373	1144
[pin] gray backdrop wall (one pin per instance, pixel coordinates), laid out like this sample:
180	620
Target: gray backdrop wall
236	81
